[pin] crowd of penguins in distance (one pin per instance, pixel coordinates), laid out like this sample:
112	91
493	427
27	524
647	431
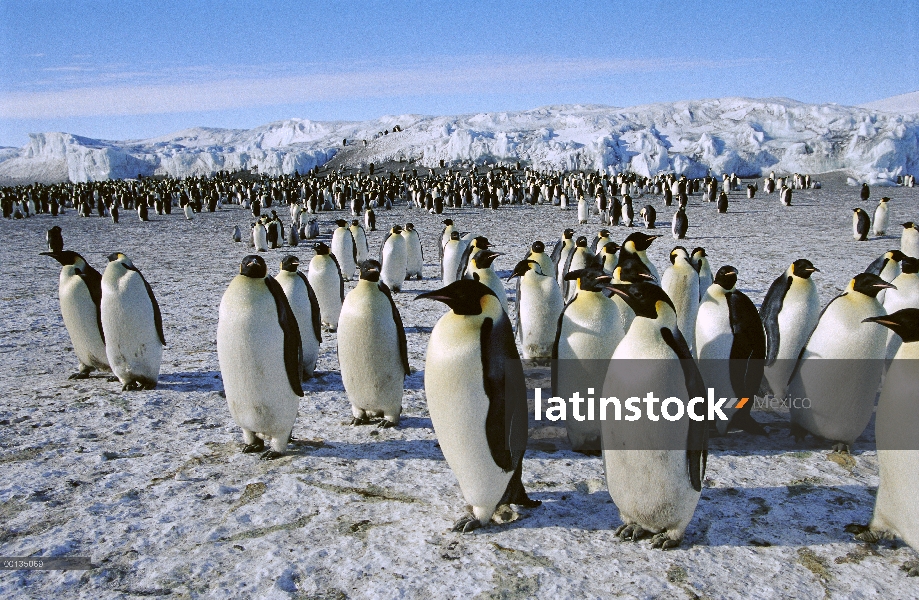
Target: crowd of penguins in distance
578	299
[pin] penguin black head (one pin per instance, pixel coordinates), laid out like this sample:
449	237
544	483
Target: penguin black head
464	297
538	247
634	271
803	268
410	227
521	268
447	222
611	247
253	266
641	241
65	257
905	323
481	242
870	284
726	277
910	225
121	257
589	280
341	223
700	251
484	259
290	263
604	233
581	242
355	223
909	265
895	255
321	249
396	230
643	298
370	270
677	251
454	235
568	234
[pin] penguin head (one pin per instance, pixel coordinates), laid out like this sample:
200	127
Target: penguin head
590	279
409	227
464	297
803	268
869	284
370	270
633	271
521	268
253	266
581	242
604	233
638	241
645	299
611	247
677	252
321	249
726	277
698	253
396	230
885	200
67	258
290	263
484	259
448	222
909	265
481	242
905	323
121	258
910	225
538	247
355	223
341	223
568	234
454	235
894	255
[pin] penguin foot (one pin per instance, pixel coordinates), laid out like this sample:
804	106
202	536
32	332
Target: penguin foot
132	386
82	375
270	455
799	432
911	567
631	533
386	424
589	452
257	446
111	379
745	422
841	448
466	524
361	421
664	542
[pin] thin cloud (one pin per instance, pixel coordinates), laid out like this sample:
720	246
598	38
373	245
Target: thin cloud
479	75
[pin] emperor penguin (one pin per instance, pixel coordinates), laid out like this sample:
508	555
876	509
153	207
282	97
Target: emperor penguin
635	248
394	258
731	346
55	241
866	192
582	210
699	261
477	244
483	272
580	258
80	294
882	216
258	347
344	249
680	224
132	323
722	202
909	240
189	213
445	236
785	195
237	234
372	350
360	241
887	267
841	398
312	229
325	276
648	215
681	284
589	329
451	263
260	237
538	253
905	295
293	236
789	313
631	272
861	224
539	305
414	262
305	307
477	399
370	219
654	470
609	257
895	512
560	252
601	239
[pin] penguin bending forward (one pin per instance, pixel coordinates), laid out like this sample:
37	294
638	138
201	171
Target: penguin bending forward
481	428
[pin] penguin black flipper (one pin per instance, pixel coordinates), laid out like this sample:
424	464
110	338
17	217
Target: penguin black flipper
440	247
341	279
697	439
506	422
93	281
558	337
383	245
293	350
593	244
557	254
157	315
864	226
353	246
769	314
464	261
747	358
400	329
517	329
877	265
314	308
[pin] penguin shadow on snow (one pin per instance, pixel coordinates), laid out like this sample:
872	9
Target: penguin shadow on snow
191	381
373	449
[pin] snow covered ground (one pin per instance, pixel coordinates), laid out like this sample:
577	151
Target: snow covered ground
742	135
153	487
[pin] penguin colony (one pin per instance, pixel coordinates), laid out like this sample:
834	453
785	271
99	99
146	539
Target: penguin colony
596	298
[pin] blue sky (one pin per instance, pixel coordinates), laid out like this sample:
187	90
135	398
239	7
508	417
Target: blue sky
121	70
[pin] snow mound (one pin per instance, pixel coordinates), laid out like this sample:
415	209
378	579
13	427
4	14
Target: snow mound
906	104
745	136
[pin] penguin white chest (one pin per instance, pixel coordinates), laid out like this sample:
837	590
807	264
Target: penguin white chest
133	347
80	319
326	282
394	262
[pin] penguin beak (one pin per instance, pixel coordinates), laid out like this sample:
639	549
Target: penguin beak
813	270
882	320
885	286
435	295
621	290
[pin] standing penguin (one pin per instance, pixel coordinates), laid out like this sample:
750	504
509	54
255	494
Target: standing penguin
344	249
55	240
560	252
681	284
132	323
865	192
305	308
80	295
909	240
882	216
394	258
370	219
360	241
539	305
731	345
237	234
476	245
538	253
841	401
483	272
324	275
312	229
602	238
905	295
258	347
699	261
635	248
582	210
445	236
654	470
260	237
372	350
887	267
293	237
113	212
477	399
789	313
589	329
608	257
451	263
898	458
580	258
189	213
649	216
414	262
723	202
680	224
861	224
